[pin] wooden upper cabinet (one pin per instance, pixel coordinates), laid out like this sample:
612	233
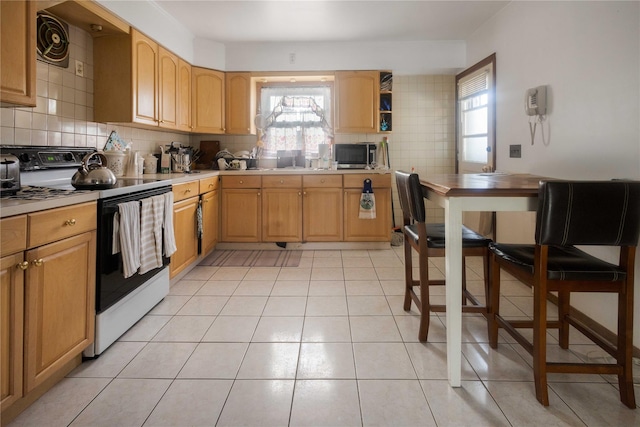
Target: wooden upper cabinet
18	53
356	103
238	103
168	66
184	95
145	79
207	100
149	85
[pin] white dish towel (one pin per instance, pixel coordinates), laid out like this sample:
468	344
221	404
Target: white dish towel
151	220
130	237
169	237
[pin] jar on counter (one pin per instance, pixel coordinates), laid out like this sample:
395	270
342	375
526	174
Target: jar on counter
150	164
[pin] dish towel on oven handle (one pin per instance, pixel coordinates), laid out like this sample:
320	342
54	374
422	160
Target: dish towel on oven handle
130	237
151	220
169	236
367	202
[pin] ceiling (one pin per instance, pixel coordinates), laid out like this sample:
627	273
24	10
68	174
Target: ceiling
330	20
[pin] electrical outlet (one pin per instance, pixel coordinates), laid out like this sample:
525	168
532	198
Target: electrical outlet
79	68
515	151
292	58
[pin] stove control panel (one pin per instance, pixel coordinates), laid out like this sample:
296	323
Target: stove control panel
39	157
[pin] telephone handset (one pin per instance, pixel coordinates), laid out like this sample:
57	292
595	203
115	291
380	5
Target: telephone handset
535	104
535	101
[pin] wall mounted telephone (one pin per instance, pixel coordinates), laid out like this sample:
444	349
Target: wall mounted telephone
535	103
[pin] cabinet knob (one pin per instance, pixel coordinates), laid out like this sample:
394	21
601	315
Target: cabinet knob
322	180
304	192
22	265
282	181
241	182
38	262
258	193
300	194
70	222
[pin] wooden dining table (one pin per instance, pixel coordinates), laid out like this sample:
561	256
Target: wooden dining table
456	193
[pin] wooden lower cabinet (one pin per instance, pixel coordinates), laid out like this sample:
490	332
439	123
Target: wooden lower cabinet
59	305
185	230
11	324
210	221
281	215
241	214
322	208
367	230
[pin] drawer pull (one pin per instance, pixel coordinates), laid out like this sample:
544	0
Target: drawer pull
38	262
282	181
70	222
22	265
210	185
322	180
188	190
241	182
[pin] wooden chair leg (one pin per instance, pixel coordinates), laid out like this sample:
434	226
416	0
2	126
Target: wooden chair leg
424	298
564	298
540	341
493	301
625	346
408	275
464	281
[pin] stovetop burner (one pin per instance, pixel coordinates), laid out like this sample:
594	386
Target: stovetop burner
42	193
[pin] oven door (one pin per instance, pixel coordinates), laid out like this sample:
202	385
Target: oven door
111	286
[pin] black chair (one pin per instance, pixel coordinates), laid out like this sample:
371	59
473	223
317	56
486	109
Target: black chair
429	241
574	213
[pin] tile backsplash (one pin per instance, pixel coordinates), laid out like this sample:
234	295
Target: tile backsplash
63	114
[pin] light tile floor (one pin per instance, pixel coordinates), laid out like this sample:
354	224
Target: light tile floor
323	344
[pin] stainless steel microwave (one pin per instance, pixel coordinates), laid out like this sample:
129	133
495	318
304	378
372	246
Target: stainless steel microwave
355	156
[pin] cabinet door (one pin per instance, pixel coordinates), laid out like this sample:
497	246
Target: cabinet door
281	215
322	214
209	221
184	95
238	103
167	89
356	101
207	100
59	305
367	230
145	78
240	215
185	230
11	324
18	53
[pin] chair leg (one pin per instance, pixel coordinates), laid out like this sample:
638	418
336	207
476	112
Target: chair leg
464	280
424	298
540	341
408	275
563	311
493	301
625	346
487	288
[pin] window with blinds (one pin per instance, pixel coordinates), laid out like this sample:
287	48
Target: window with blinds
473	101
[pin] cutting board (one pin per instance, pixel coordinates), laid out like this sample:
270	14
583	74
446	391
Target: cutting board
209	150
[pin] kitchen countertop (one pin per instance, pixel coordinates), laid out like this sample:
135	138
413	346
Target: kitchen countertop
11	207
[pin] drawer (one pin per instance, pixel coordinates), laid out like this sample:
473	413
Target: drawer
377	180
322	181
13	234
241	181
282	181
185	190
56	224
208	184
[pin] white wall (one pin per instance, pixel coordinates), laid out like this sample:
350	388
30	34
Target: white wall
404	58
589	55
